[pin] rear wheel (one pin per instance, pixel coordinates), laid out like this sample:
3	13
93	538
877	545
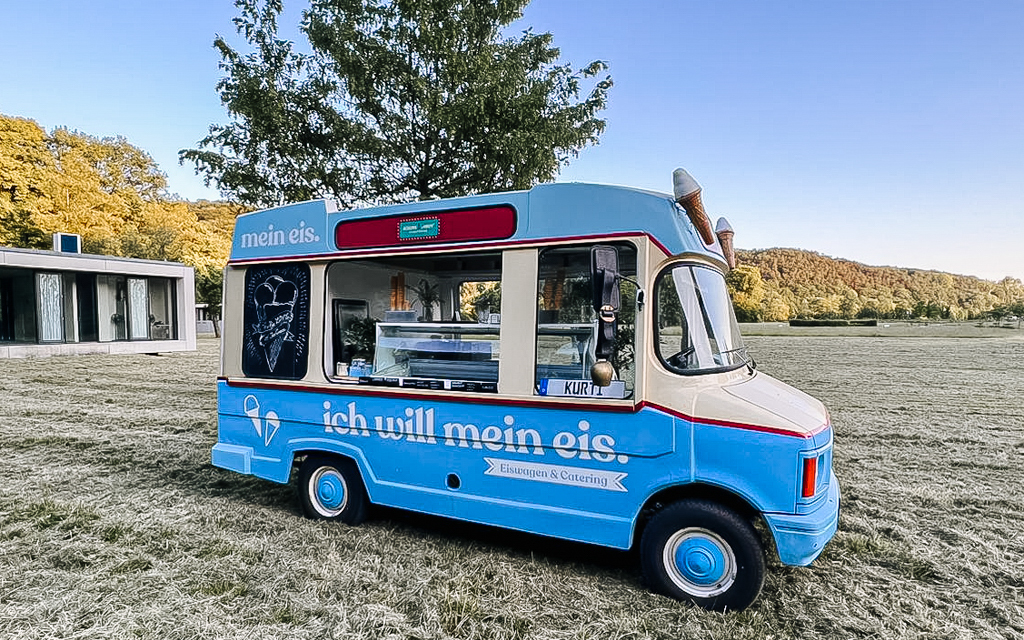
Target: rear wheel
330	488
704	553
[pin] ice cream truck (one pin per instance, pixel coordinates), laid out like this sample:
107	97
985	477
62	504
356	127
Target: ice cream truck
562	361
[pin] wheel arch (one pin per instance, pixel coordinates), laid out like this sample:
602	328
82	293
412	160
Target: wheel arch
701	491
303	450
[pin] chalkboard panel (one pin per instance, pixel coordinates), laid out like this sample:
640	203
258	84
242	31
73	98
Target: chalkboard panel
276	336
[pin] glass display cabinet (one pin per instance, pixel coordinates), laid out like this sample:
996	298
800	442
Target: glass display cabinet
470	351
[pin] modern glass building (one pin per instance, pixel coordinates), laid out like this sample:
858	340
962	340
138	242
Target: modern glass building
54	303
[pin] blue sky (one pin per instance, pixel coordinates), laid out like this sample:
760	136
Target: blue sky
886	132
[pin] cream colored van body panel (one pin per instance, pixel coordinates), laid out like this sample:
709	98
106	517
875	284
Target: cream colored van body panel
518	321
769	397
233	310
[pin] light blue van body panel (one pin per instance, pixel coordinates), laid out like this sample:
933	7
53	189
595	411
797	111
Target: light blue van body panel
568	473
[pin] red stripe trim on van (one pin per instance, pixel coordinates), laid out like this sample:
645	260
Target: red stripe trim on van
738	425
439	248
431	227
492	399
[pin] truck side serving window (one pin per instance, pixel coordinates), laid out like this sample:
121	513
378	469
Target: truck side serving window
276	334
430	321
567	324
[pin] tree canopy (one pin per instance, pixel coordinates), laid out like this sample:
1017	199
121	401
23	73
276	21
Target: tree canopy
27	169
395	100
108	191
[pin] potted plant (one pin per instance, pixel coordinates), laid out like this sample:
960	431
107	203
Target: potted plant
427	295
361	336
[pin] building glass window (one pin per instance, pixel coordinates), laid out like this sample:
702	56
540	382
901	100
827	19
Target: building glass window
69	307
88	320
138	308
112	307
6	309
51	307
18	309
161	309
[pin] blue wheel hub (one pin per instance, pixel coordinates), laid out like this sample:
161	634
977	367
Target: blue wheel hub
330	491
700	561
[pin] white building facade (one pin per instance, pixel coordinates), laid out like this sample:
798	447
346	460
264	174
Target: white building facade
55	303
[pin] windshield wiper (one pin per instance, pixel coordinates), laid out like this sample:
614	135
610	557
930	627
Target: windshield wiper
736	350
744	358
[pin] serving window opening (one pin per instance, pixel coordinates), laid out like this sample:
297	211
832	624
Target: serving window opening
428	321
567	324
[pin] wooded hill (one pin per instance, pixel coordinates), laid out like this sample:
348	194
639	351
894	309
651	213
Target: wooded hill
779	284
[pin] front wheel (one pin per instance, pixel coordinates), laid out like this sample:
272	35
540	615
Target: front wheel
704	553
330	488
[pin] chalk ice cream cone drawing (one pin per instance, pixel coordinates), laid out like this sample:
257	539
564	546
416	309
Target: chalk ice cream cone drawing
275	300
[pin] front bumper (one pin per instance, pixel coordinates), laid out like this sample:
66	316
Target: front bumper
801	538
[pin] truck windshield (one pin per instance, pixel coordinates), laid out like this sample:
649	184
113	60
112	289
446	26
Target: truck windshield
696	326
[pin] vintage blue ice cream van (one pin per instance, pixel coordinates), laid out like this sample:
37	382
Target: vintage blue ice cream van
563	361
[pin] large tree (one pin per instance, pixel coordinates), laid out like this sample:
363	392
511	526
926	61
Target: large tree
395	99
26	172
70	181
107	190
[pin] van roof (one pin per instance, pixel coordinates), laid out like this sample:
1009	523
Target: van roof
550	211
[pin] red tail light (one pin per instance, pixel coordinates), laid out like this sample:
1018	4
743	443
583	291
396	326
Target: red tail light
810	476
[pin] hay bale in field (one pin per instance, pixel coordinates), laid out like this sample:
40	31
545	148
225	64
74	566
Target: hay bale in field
812	322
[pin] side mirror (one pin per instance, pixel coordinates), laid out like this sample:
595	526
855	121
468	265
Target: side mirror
604	274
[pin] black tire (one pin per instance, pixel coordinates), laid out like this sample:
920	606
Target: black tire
702	552
330	488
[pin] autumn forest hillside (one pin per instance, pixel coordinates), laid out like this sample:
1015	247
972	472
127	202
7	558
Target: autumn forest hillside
779	284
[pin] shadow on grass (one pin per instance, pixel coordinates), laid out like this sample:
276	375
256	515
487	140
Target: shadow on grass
184	472
209	481
520	543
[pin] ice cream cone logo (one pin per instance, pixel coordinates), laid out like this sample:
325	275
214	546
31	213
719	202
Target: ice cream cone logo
251	407
266	426
275	301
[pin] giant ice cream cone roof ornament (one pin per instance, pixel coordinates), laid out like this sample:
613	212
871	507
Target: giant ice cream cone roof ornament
687	193
725	233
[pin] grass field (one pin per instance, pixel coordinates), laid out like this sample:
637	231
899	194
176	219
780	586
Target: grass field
887	329
113	524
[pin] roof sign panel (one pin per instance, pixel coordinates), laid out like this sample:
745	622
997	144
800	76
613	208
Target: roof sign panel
460	225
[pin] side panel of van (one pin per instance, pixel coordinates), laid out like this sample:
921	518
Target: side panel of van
571	473
577	474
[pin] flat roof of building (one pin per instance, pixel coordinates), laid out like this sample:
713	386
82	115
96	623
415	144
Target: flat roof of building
59	261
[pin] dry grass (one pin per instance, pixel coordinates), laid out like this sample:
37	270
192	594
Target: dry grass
113	524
